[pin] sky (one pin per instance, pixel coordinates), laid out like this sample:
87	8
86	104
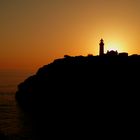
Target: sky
35	32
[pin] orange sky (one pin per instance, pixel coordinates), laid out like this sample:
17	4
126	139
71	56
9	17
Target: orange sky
35	32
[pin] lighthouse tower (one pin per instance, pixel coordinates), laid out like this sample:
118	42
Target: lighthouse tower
101	49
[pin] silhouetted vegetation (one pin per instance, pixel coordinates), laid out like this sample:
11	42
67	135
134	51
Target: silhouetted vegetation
73	94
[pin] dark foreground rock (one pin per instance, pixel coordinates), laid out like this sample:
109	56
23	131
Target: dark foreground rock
81	95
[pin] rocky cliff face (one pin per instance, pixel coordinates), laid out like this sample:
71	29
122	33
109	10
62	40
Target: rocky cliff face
72	78
74	93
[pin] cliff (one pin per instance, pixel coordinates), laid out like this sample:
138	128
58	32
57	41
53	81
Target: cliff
74	77
73	90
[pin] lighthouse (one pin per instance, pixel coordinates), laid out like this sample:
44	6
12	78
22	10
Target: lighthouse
101	49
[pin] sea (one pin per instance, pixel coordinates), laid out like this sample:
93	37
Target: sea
14	123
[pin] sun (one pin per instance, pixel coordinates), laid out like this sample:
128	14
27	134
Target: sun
115	46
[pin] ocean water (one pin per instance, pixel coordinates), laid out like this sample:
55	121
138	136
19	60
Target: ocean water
9	79
14	123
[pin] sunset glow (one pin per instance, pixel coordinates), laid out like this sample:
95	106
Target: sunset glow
64	63
116	46
35	33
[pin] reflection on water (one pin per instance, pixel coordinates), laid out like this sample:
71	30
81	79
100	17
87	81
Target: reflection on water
13	122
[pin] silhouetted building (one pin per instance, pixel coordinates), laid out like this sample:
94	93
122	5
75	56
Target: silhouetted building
90	55
101	51
124	54
112	53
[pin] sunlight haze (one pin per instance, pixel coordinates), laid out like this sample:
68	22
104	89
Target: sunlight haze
35	32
